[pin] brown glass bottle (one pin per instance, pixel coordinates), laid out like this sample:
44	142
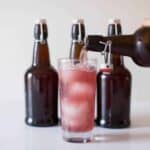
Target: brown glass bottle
136	46
114	89
41	83
77	35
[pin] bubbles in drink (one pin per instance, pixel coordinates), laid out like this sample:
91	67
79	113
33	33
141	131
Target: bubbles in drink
78	91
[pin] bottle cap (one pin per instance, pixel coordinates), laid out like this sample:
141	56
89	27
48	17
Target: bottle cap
78	30
78	21
114	27
146	22
41	21
114	21
40	30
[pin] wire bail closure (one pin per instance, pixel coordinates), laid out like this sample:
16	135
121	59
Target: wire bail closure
107	52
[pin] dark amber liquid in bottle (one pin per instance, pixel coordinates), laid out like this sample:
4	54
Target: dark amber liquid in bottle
113	92
41	84
76	48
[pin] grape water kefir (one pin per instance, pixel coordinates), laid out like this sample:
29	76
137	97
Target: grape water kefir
77	86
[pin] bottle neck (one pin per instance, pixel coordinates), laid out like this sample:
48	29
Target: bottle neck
77	41
117	60
121	44
77	36
115	29
75	50
41	54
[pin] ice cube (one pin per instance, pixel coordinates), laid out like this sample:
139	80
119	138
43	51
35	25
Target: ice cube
67	76
81	91
72	108
85	66
77	116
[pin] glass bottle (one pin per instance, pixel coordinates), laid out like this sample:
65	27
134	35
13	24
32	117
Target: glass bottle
136	46
113	89
41	82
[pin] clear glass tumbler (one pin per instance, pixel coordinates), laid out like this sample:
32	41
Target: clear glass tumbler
77	87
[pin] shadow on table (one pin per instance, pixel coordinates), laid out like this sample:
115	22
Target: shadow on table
140	121
124	137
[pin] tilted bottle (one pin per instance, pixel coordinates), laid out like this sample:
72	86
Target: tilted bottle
77	38
113	89
41	82
136	46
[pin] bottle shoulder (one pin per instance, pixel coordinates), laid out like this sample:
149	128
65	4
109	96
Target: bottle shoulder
37	70
116	72
122	70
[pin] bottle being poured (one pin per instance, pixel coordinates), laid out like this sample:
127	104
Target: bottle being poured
136	46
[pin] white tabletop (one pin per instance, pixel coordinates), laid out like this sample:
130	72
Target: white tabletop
15	135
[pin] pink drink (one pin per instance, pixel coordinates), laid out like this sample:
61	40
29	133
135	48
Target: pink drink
77	96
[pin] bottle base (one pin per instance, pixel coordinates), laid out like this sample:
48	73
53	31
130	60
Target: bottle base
41	123
118	125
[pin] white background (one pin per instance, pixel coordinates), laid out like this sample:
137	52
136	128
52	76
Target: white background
16	36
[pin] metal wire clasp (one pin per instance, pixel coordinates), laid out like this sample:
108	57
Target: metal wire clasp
107	51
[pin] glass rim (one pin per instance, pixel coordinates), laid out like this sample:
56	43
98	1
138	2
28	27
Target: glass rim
70	63
65	59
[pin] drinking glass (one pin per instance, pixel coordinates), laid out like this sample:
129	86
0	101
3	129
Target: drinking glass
77	87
